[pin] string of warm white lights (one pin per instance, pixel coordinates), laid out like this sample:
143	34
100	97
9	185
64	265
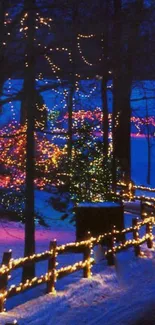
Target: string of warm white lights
58	49
81	52
74	267
43	21
54	67
138	187
82	36
86	36
88	262
88	95
15	263
130	196
128	243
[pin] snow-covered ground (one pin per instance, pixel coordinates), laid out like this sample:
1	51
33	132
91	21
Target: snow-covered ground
114	295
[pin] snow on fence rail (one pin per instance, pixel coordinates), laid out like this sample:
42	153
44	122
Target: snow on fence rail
85	247
130	185
147	204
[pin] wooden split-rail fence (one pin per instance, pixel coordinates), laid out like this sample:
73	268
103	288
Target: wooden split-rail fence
147	207
147	204
112	239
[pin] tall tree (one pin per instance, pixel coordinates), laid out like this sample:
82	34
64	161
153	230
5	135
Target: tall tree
116	66
2	41
29	271
72	81
124	50
105	62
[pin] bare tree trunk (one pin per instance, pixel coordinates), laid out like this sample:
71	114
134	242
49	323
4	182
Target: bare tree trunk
104	90
148	145
40	113
2	38
123	77
116	67
105	117
104	11
70	118
29	271
122	127
105	121
72	83
149	160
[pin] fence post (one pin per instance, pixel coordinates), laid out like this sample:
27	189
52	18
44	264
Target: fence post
149	232
4	278
141	208
86	257
136	236
52	267
110	245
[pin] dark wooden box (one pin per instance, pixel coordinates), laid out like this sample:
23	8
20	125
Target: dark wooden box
98	218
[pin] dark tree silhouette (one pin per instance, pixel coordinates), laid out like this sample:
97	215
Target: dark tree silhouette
124	46
2	41
29	271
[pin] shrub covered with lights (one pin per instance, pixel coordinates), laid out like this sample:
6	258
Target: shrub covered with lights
13	167
90	171
87	175
13	157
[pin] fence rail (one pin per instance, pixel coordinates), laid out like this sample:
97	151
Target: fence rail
147	204
131	186
111	239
